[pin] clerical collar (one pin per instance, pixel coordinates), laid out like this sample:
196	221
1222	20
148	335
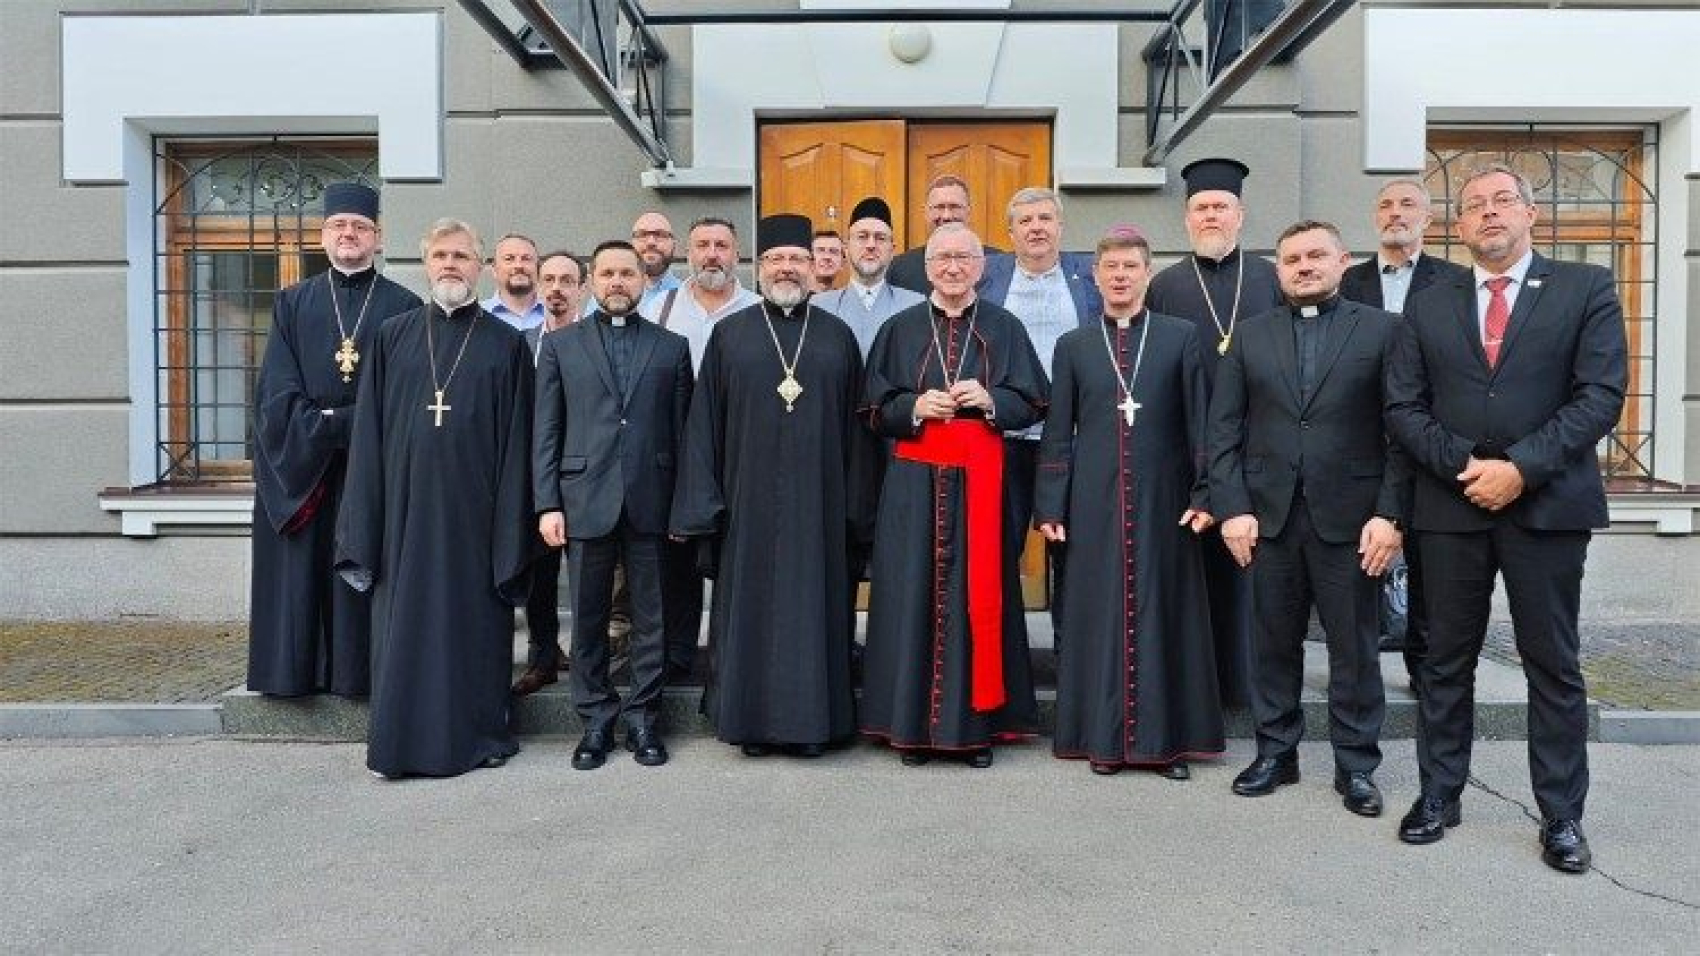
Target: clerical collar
1321	308
793	312
459	313
939	310
355	277
616	321
1126	322
1225	261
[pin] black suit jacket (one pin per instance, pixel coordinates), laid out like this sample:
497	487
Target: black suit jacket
1362	282
1263	440
1556	391
596	451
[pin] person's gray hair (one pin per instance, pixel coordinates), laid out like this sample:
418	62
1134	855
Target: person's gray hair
1029	196
1417	184
447	227
1525	189
953	228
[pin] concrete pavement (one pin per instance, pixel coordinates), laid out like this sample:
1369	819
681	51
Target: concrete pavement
230	846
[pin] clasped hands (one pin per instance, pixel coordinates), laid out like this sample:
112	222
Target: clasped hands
1491	483
942	404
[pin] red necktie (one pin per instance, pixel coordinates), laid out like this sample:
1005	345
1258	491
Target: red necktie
1498	317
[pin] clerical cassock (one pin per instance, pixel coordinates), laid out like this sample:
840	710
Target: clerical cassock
1215	294
437	521
308	632
777	483
1136	679
946	666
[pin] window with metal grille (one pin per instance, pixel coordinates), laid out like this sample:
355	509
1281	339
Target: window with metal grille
1598	196
238	221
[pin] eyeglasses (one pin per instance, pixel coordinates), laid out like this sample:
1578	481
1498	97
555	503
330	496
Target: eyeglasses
658	234
787	259
342	225
955	258
1501	202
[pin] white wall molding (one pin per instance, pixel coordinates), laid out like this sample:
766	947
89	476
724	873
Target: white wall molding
254	74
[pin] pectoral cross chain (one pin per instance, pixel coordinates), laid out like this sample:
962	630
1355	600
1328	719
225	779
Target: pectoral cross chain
439	408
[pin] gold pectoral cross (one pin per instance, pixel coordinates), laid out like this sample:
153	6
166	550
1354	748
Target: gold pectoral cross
346	357
439	408
789	389
1129	408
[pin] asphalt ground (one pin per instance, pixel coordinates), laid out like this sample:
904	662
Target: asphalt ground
227	846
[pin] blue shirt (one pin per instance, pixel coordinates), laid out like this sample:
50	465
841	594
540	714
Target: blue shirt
532	318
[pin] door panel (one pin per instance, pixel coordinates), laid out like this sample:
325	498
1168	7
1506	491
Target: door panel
995	159
822	170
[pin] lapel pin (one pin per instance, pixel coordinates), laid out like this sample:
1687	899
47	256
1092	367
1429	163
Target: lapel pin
1534	283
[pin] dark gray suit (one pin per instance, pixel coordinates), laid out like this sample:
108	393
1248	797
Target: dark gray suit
1312	468
1556	391
1362	283
605	455
542	606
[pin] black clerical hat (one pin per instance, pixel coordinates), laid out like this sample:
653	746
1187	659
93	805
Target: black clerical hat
1207	174
872	207
345	198
784	229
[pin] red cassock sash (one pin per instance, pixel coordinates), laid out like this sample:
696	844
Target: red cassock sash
978	450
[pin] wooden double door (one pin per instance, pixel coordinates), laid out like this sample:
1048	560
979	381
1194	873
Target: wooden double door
822	170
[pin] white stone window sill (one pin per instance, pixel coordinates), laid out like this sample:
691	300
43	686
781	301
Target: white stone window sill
144	513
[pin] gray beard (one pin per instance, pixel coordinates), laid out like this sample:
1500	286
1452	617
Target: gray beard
1213	248
713	280
870	273
451	294
785	295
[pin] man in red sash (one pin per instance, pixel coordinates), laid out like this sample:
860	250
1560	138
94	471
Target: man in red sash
946	668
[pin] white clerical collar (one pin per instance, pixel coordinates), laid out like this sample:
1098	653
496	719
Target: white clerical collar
1309	311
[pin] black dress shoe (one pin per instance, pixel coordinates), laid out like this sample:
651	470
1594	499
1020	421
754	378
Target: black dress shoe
1362	796
592	749
491	763
1267	773
980	759
754	750
1174	770
1563	847
1106	769
1428	820
533	680
807	751
915	758
646	746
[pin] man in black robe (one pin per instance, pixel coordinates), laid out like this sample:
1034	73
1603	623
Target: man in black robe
1216	287
438	521
776	475
307	632
946	669
1123	486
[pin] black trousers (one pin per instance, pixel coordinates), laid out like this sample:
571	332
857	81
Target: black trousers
681	602
591	566
1416	611
1020	475
542	611
1543	584
1290	574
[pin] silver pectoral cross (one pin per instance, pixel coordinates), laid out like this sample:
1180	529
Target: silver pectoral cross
439	408
1129	408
